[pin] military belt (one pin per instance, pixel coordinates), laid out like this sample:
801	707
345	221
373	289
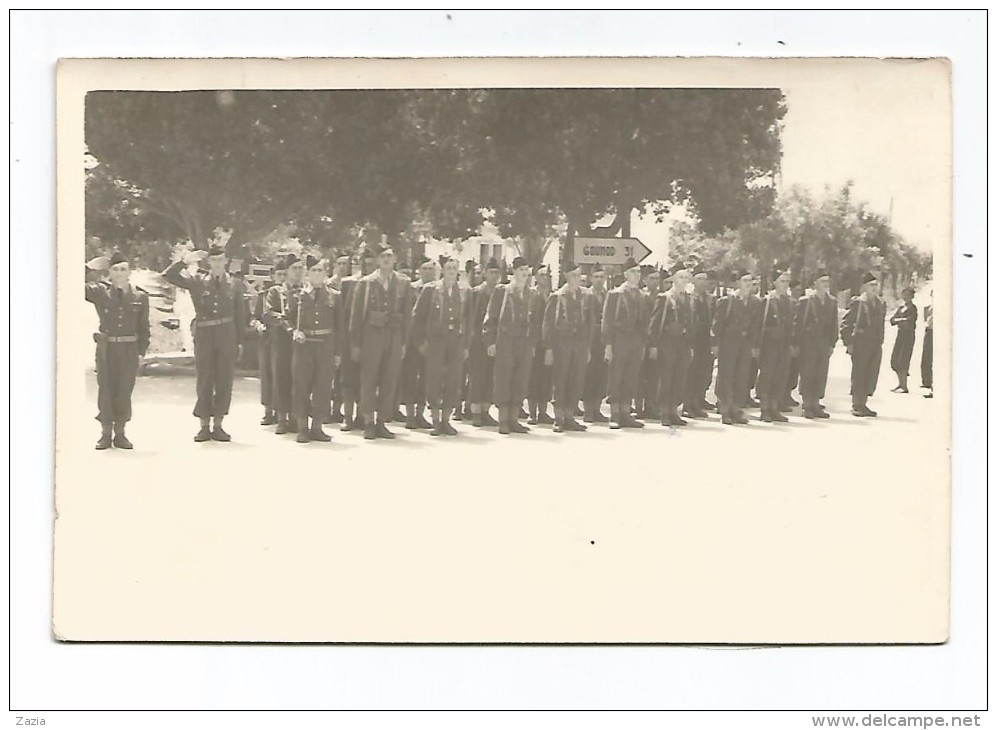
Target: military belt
123	338
317	333
213	322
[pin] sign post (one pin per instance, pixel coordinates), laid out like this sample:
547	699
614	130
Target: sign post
608	251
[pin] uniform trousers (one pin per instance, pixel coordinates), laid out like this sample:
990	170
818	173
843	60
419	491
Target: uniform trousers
117	366
312	364
215	351
813	362
866	360
571	355
444	369
674	357
380	366
733	374
513	363
624	369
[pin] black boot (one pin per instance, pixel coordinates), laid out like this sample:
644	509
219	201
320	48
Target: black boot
437	424
316	433
381	429
205	433
303	436
120	440
105	441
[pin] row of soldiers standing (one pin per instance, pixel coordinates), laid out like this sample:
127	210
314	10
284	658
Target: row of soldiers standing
337	347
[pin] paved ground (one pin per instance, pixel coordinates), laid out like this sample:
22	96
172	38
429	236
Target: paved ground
705	533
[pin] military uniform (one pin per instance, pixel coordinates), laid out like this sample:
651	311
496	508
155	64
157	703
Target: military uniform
701	366
316	316
624	330
862	331
815	332
481	371
670	332
219	326
263	358
348	376
412	385
122	339
734	333
650	373
567	332
927	348
540	391
775	338
275	307
512	325
380	316
596	373
442	322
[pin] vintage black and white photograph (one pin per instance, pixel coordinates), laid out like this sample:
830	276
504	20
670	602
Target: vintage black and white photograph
503	351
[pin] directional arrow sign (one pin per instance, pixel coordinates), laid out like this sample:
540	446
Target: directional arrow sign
593	250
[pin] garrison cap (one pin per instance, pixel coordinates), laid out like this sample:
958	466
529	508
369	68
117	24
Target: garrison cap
568	268
117	258
519	262
630	264
492	264
542	270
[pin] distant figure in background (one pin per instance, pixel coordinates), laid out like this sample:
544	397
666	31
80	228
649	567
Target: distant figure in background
220	302
905	320
122	339
862	331
541	386
927	350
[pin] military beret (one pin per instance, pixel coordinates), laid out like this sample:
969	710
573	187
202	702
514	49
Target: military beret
778	271
665	273
740	274
312	261
519	262
568	268
492	264
597	268
820	274
630	264
542	270
677	268
384	249
343	259
700	270
869	278
216	250
117	258
444	260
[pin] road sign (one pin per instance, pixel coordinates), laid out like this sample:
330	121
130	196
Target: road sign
595	250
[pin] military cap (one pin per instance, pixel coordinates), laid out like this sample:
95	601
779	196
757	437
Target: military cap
820	274
646	269
311	261
345	259
541	269
630	264
384	249
779	271
568	268
869	278
216	250
700	270
444	260
597	268
740	274
675	269
492	264
117	258
421	260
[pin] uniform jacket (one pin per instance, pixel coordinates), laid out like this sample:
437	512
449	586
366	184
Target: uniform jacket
704	306
623	314
317	313
509	314
276	304
776	322
864	322
438	311
480	296
815	319
570	315
213	300
121	315
671	318
375	305
737	318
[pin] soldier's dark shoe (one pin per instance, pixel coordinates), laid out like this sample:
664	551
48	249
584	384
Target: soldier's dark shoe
410	423
588	417
504	428
370	432
871	413
726	420
766	417
219	434
421	422
739	418
458	415
436	430
269	419
348	425
104	442
382	431
599	418
630	422
779	418
303	436
532	420
615	425
810	414
579	412
697	413
203	435
545	419
317	434
823	414
791	402
282	427
820	407
676	421
858	412
487	420
707	406
449	430
326	420
399	416
666	422
292	426
570	424
121	442
477	420
558	427
517	427
929	395
336	418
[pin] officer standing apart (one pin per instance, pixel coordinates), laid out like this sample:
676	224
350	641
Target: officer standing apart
510	335
704	304
316	317
670	345
567	333
122	341
220	321
481	375
441	330
596	372
862	331
275	317
734	335
622	317
380	316
815	332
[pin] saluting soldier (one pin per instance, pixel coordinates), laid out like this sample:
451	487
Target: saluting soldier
264	354
380	317
540	392
275	317
734	336
647	394
567	333
340	270
122	340
623	332
815	332
774	344
314	313
862	331
704	303
413	382
596	372
670	345
481	375
220	322
441	330
511	332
